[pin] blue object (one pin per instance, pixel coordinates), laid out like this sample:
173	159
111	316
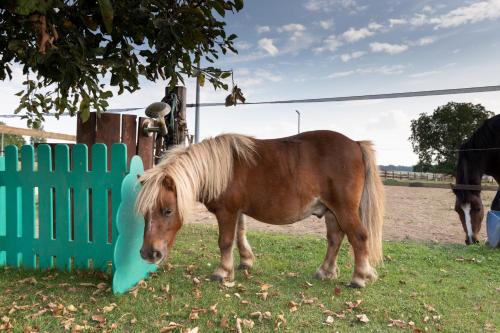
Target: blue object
493	228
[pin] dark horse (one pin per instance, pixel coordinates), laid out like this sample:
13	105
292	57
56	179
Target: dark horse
278	181
478	156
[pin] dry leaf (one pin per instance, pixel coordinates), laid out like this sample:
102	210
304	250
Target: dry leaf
224	322
133	321
248	323
263	295
229	284
109	308
194	316
98	318
329	320
267	315
362	318
170	327
265	286
396	323
71	308
238	326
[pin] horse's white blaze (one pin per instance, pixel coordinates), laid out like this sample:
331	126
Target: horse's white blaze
466	209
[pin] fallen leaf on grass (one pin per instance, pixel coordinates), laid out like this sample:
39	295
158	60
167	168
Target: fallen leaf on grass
109	308
329	320
229	284
292	306
98	318
337	291
265	286
396	323
362	318
248	323
224	322
170	327
263	295
238	325
71	308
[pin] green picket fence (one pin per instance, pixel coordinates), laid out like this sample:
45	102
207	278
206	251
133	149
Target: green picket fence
59	213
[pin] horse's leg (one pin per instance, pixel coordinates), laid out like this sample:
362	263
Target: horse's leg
227	227
334	236
350	222
495	205
246	255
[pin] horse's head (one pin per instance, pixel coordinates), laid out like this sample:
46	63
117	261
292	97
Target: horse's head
470	210
161	218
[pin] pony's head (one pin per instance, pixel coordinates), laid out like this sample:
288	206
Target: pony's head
470	210
162	219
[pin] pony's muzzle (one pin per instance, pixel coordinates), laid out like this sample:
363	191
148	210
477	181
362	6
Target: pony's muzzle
151	255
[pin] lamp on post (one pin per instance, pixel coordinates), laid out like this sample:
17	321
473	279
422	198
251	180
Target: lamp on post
298	121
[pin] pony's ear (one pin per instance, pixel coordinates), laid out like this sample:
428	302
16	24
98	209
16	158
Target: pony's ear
168	183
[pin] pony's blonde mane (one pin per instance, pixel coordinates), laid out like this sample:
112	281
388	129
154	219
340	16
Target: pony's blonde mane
200	172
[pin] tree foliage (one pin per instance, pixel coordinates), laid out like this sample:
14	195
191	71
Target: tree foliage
71	51
436	137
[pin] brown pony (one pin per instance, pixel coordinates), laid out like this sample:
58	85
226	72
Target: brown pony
278	181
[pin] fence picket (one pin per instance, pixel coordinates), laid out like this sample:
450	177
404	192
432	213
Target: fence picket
28	205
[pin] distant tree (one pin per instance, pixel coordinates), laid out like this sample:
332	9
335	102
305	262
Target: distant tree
436	137
12	139
34	140
70	51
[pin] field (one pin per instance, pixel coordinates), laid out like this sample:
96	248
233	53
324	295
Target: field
423	286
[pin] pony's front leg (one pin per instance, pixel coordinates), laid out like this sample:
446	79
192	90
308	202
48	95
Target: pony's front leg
334	236
246	255
227	228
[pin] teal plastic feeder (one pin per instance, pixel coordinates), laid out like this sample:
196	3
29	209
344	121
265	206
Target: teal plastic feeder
493	228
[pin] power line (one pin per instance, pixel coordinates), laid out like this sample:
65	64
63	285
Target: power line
370	97
421	93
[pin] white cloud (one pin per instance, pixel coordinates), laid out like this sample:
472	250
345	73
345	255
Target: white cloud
267	75
428	9
267	45
262	29
419	19
292	27
349	56
473	13
395	22
476	12
330	5
352	35
383	70
424	74
426	40
375	26
326	24
331	43
242	45
388	48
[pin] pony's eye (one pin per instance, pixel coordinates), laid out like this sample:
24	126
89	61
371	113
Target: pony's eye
166	212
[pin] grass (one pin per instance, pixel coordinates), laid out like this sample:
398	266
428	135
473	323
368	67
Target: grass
429	184
449	288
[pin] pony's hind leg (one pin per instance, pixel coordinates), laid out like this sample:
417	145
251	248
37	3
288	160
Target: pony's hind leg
246	255
350	222
334	236
227	228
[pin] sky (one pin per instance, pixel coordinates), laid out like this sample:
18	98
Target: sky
294	49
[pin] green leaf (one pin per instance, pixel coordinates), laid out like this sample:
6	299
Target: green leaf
238	4
107	14
201	79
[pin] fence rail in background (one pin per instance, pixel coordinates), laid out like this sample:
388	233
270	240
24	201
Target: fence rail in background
425	176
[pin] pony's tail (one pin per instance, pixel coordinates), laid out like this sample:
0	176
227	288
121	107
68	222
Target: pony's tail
372	204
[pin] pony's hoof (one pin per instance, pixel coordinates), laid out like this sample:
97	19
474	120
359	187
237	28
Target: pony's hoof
355	285
322	275
216	277
243	266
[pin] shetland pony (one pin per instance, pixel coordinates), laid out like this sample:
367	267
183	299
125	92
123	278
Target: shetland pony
479	155
277	181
